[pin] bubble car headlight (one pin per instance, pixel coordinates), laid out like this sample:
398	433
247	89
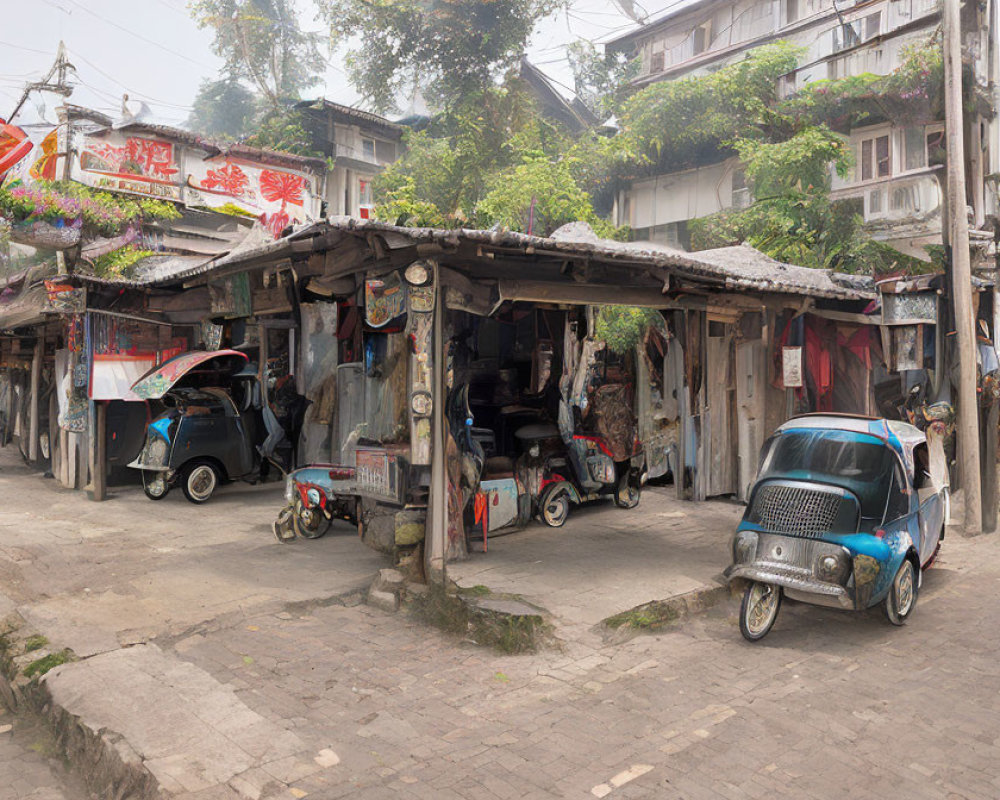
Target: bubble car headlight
744	546
312	495
831	568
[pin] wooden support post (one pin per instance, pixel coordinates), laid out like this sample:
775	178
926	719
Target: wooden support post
437	522
36	376
961	273
99	453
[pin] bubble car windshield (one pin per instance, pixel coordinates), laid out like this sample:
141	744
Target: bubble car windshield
858	462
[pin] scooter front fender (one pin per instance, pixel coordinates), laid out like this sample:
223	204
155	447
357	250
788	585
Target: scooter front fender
561	486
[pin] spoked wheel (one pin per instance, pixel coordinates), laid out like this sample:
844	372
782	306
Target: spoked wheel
759	610
154	484
310	523
200	480
555	507
627	491
902	595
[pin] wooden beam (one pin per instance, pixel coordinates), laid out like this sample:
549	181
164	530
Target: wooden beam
99	461
36	375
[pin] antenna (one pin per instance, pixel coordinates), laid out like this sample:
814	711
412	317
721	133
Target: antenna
47	84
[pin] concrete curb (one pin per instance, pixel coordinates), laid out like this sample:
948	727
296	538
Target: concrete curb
103	760
660	614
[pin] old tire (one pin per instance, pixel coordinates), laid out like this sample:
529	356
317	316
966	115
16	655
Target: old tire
155	484
309	523
554	507
199	480
759	610
902	597
627	491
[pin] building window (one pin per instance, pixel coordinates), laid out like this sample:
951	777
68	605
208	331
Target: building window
791	11
741	192
935	148
385	152
701	38
874	203
364	198
875	155
873	25
368	149
656	62
846	36
914	148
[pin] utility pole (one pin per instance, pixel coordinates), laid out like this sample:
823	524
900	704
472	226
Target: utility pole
59	85
961	272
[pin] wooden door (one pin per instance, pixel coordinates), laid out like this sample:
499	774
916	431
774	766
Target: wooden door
718	432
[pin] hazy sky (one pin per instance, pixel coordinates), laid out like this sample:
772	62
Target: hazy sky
155	52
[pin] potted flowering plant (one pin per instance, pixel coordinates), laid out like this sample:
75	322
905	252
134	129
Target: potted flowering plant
41	218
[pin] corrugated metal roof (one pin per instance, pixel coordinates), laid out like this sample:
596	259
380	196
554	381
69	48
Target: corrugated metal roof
739	267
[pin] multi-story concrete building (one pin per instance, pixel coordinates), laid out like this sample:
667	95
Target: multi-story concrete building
898	171
359	145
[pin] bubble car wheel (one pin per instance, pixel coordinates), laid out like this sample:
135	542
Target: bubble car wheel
759	610
200	480
155	484
902	595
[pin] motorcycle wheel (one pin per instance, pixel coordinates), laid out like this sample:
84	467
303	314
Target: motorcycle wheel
627	492
309	523
759	610
154	484
554	507
199	481
902	597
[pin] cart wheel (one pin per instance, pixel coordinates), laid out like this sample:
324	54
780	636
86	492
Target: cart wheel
200	480
554	507
309	523
902	595
154	484
759	610
627	491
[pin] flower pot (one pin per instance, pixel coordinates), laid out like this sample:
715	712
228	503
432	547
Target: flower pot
46	234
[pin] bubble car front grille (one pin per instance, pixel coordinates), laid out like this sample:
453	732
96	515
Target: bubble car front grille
795	510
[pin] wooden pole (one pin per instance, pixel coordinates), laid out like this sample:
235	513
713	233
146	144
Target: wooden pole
36	376
99	457
437	527
961	272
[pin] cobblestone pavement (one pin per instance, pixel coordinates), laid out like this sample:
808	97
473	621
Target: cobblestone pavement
212	649
830	705
26	773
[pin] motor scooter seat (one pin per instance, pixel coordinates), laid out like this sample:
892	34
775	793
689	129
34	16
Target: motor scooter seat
536	431
498	467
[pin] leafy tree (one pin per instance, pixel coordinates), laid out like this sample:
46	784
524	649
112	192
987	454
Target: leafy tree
539	195
601	81
223	108
284	129
262	43
449	48
449	168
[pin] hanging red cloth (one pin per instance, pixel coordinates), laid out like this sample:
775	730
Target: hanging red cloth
819	364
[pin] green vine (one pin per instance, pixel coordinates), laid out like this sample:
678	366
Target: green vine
119	263
621	328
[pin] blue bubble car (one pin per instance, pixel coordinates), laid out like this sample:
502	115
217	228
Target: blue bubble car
847	511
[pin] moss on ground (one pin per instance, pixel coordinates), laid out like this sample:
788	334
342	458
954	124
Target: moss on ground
33	643
40	666
507	633
651	616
